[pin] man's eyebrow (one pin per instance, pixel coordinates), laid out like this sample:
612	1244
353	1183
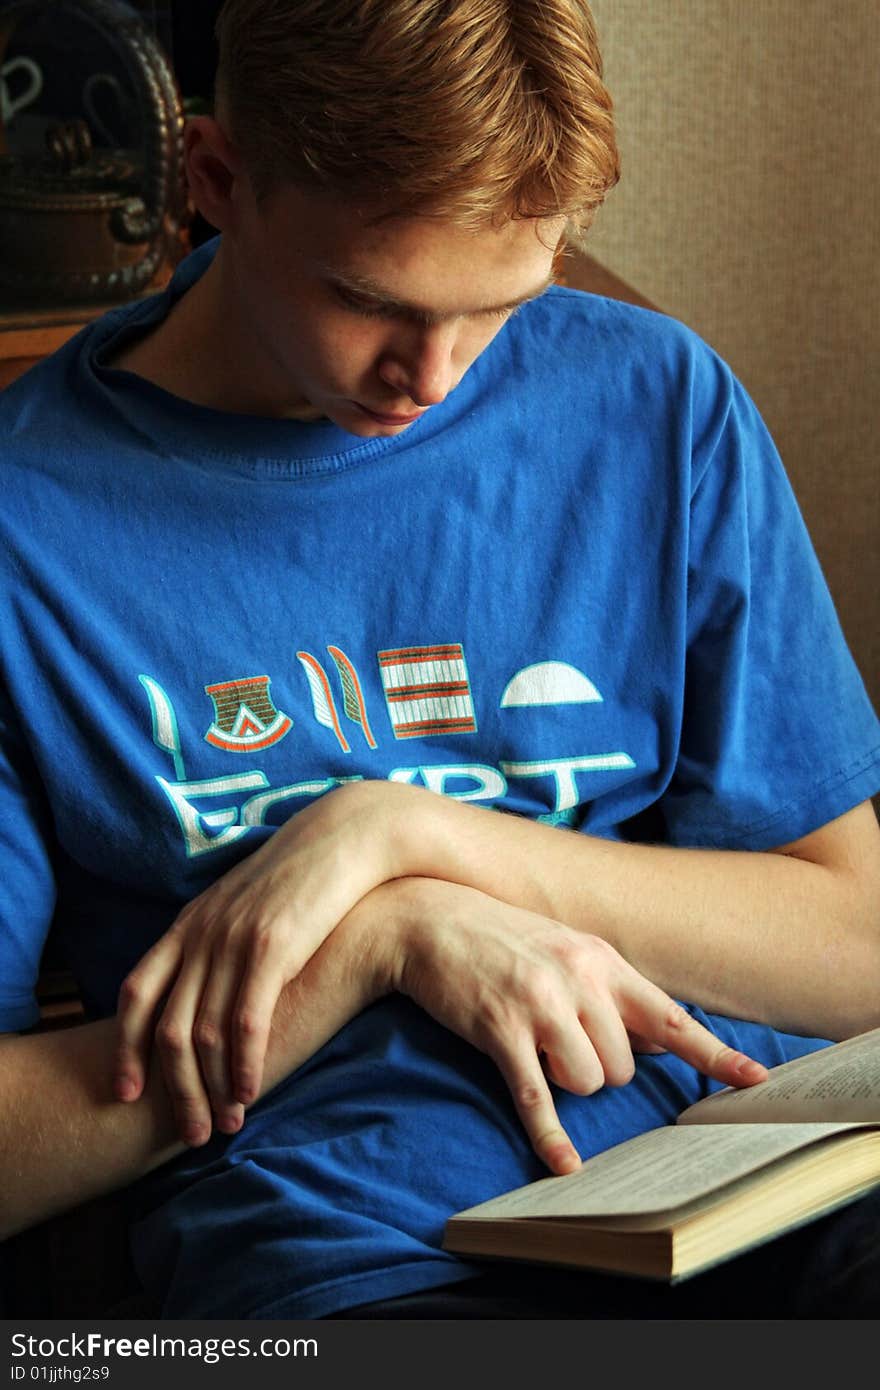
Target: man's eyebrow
365	285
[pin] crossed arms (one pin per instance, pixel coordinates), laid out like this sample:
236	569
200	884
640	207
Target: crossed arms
557	954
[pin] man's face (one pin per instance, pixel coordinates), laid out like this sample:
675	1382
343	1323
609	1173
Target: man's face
370	324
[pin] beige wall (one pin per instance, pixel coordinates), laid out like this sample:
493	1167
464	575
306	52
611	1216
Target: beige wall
750	208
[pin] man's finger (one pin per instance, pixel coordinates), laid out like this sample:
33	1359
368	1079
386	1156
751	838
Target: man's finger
180	1064
269	969
251	1023
569	1058
603	1026
522	1072
657	1017
213	1037
140	996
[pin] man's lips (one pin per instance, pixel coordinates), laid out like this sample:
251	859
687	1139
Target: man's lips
389	419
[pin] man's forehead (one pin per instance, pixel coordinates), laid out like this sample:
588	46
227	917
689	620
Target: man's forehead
426	265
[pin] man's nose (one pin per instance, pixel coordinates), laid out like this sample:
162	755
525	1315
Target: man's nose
423	366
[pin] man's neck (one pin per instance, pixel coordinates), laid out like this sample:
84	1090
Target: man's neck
171	354
195	354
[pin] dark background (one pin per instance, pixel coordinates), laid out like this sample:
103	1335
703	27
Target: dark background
190	42
60	42
69	50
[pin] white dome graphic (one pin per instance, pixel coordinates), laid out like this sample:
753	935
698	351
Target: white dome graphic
549	683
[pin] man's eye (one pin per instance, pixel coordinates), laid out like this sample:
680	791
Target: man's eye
360	305
375	309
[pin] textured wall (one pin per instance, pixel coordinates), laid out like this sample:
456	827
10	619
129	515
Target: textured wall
750	208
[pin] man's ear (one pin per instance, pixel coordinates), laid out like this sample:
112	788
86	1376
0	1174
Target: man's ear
214	168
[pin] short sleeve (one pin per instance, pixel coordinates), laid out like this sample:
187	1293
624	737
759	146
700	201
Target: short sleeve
778	734
27	885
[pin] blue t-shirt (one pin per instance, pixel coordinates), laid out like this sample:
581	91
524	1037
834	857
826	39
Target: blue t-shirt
578	590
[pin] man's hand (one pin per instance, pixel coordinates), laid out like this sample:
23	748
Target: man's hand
743	933
209	986
543	1001
65	1142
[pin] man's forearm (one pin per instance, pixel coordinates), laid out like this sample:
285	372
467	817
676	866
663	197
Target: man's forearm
66	1139
765	936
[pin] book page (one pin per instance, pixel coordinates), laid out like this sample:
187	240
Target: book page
840	1083
656	1171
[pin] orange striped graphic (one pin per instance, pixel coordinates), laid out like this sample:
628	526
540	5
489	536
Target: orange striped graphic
452	653
411	692
245	718
440	726
427	690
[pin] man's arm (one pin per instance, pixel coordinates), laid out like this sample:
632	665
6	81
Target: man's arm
543	1001
65	1139
790	937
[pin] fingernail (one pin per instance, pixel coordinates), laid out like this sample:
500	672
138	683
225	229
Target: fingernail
126	1088
229	1124
750	1070
563	1159
195	1134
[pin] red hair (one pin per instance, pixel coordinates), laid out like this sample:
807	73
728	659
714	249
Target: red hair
479	110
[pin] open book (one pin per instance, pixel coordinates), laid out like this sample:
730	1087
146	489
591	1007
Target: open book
736	1169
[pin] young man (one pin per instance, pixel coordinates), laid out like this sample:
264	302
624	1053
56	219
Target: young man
373	513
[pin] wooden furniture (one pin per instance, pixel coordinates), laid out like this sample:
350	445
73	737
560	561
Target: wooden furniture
579	271
26	337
